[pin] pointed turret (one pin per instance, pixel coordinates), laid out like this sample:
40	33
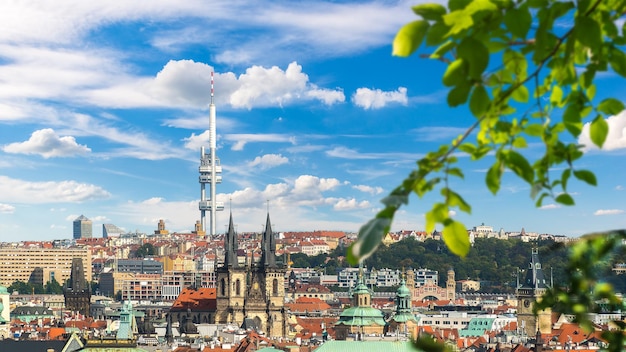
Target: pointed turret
230	245
535	278
268	246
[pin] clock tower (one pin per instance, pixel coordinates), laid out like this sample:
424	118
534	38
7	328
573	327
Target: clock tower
528	293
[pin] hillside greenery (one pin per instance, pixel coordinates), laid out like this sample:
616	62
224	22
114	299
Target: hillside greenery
494	262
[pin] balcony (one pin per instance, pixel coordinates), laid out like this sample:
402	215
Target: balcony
206	178
206	205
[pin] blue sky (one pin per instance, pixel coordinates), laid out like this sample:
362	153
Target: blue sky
104	107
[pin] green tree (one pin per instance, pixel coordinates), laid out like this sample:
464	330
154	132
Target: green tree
525	79
147	249
53	287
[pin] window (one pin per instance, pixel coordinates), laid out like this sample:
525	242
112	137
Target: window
238	287
275	287
223	287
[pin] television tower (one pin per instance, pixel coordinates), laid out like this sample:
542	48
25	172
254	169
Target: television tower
210	173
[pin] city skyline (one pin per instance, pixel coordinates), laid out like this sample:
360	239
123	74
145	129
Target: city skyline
104	109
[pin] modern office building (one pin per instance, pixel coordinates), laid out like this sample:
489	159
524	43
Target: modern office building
83	227
139	266
110	230
40	265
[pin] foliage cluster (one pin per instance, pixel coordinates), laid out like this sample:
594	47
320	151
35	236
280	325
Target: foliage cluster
51	287
526	71
145	250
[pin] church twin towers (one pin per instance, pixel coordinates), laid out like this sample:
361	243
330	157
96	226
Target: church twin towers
252	295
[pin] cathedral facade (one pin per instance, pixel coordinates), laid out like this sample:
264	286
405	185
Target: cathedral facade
252	295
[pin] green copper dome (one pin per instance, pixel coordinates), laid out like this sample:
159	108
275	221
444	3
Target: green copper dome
403	291
3	290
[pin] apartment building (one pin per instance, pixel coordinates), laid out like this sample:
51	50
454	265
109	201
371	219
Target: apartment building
40	265
142	287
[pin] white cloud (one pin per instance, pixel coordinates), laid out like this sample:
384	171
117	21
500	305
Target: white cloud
368	189
260	86
347	153
307	184
268	161
616	139
194	142
376	99
184	83
436	133
350	204
48	144
20	191
619	188
608	212
242	139
327	96
549	206
6	208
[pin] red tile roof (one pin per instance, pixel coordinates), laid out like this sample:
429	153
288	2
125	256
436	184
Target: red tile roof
201	299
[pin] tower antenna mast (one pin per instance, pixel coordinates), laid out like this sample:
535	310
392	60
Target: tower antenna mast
210	173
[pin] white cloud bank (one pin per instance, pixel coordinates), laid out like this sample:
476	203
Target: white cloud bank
188	83
608	212
616	139
268	161
20	191
6	208
376	98
47	144
368	189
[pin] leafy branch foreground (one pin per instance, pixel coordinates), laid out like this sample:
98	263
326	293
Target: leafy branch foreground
526	71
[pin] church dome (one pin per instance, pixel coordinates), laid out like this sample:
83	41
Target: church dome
3	290
403	291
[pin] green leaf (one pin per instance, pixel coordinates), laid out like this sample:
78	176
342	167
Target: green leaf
395	201
479	101
611	106
586	176
409	38
437	214
534	129
572	120
431	11
565	199
458	21
519	165
476	54
519	143
455	200
436	33
617	59
369	238
598	131
518	21
442	49
454	5
565	177
493	178
588	32
455	171
520	94
556	97
455	73
456	238
458	95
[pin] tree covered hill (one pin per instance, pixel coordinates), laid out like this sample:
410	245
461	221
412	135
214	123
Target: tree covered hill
494	262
